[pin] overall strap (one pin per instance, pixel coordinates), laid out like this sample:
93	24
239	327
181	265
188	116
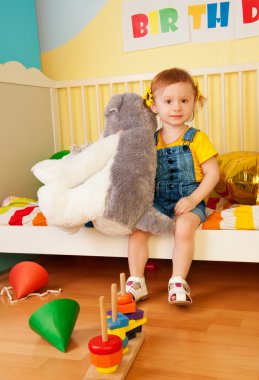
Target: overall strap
189	134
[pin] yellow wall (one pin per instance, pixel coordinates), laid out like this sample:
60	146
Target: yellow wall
98	51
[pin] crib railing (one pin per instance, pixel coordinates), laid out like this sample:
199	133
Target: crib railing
230	115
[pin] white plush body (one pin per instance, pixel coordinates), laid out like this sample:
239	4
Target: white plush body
76	185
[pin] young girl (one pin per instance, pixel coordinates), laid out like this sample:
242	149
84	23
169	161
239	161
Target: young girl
187	172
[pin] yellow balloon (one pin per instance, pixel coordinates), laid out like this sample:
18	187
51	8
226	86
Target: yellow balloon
239	177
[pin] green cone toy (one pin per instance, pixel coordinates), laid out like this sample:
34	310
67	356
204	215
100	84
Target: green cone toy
55	321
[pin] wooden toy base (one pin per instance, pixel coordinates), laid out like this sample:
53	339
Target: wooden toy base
120	374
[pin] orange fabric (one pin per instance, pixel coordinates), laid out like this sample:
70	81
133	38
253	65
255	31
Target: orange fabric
39	220
212	222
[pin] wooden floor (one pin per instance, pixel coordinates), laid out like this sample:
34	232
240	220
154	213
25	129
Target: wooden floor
216	338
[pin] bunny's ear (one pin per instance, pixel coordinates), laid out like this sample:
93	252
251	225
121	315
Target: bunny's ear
114	104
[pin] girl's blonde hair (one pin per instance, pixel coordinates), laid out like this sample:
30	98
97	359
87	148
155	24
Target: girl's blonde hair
176	75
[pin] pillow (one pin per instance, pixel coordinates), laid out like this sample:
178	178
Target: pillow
237	217
239	177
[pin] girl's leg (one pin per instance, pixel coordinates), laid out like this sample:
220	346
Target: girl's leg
186	225
138	252
137	259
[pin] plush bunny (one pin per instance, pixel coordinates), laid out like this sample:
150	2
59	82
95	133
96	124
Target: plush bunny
111	182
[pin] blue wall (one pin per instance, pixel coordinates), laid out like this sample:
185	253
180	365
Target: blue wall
19	33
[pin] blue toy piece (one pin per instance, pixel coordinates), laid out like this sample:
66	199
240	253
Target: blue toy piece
121	321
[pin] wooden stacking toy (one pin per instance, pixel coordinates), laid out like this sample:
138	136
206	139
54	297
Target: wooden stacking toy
115	326
106	349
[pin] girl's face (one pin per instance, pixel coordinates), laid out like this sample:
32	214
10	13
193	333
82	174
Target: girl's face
174	103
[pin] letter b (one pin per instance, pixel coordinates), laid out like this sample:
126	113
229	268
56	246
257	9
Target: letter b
139	25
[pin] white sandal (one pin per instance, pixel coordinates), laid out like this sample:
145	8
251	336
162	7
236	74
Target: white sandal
139	294
179	288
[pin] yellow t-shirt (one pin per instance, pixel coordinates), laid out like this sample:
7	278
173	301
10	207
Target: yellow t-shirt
201	149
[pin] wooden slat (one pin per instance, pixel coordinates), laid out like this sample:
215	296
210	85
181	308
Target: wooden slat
240	109
257	108
223	113
55	119
70	120
84	114
98	111
206	105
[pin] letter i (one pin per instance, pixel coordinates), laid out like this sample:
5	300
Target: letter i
153	20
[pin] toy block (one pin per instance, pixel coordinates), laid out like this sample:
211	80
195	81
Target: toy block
138	314
123	299
104	361
125	342
135	330
135	323
107	370
121	321
121	332
131	335
127	308
100	347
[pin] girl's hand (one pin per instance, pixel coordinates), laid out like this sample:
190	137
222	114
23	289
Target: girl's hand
184	205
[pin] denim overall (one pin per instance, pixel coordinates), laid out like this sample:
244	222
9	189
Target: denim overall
175	176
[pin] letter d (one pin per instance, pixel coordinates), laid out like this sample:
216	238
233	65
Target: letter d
248	6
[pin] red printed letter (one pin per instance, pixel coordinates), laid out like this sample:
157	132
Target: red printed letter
139	25
248	6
